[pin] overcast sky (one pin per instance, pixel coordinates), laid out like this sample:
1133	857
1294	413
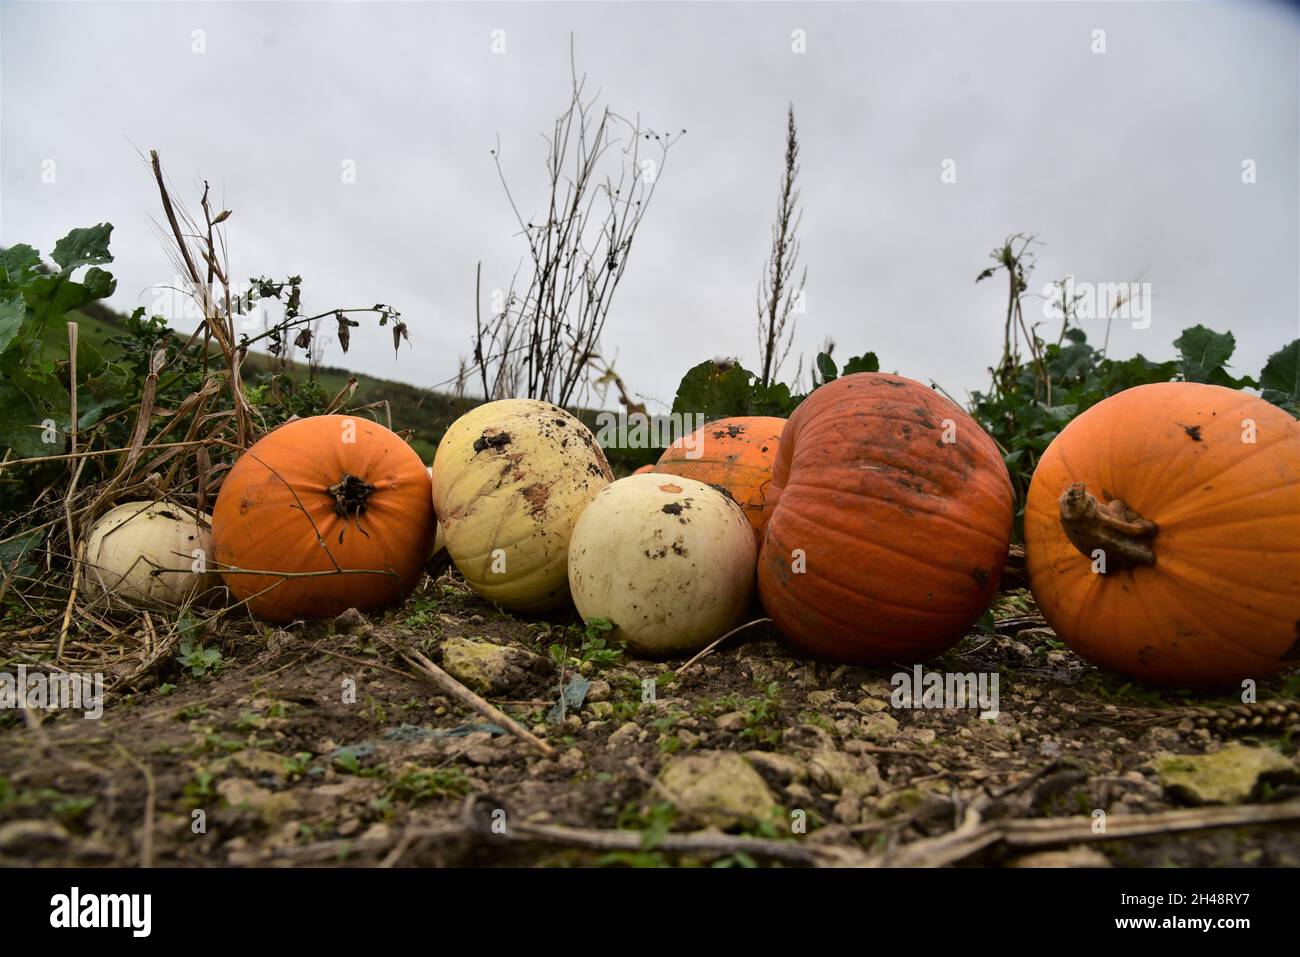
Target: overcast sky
1128	164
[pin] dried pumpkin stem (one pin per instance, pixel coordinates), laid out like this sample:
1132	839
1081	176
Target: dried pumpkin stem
351	495
1121	534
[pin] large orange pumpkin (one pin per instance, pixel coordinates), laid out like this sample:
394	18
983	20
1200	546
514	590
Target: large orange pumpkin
1162	535
736	454
332	493
890	522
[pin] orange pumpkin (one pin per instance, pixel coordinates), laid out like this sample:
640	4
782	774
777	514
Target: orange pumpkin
644	470
890	522
320	495
1162	535
734	454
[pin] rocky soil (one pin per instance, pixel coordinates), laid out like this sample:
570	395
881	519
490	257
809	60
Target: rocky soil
318	744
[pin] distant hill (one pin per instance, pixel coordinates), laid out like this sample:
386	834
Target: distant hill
425	413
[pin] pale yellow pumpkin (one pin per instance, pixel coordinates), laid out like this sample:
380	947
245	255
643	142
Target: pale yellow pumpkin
510	479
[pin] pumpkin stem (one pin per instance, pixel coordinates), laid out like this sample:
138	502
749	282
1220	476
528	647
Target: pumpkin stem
350	495
1122	535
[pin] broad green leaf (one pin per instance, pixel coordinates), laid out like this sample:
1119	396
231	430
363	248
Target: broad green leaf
1202	351
13	551
87	246
20	425
19	263
13	312
90	361
826	367
716	393
1138	370
101	393
1280	380
51	297
867	362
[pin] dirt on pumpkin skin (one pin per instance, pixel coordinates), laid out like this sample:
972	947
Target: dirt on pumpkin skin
314	745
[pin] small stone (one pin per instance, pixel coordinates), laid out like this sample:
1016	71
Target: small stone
848	809
798	794
689	739
879	727
731	721
271	807
601	709
626	735
482	754
572	760
1224	777
17	837
821	699
257	761
923	735
808	737
349	622
599	690
1069	857
490	669
717	789
777	769
837	772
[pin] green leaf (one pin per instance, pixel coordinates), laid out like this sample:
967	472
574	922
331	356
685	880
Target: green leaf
87	246
1138	370
718	392
826	367
1202	352
101	393
20	426
1281	375
12	313
13	551
713	391
20	263
51	297
867	362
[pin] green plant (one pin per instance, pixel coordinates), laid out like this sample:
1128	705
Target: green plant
1040	384
35	402
424	784
198	659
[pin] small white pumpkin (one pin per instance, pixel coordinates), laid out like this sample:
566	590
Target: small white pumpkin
131	541
668	561
509	481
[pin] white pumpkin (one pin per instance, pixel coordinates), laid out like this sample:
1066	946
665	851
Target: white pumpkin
509	481
131	541
668	561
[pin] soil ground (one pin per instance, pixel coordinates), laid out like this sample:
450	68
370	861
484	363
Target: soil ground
269	759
